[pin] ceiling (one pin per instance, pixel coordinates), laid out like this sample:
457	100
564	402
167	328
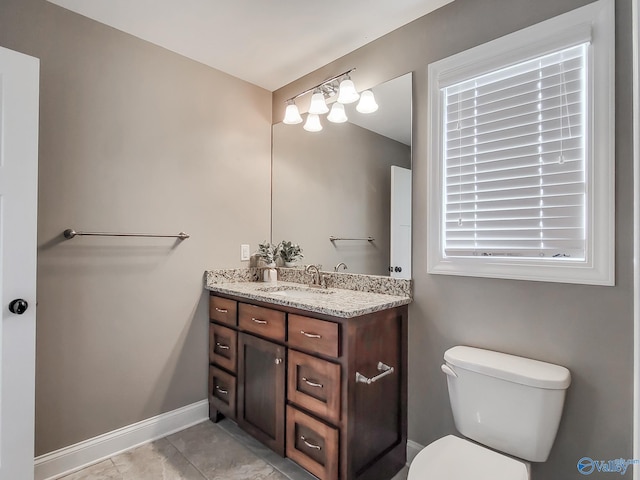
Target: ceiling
269	43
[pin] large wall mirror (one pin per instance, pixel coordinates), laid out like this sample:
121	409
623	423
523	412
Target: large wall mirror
338	183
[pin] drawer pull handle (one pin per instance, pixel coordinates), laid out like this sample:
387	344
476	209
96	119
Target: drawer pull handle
310	383
310	335
221	346
257	320
385	369
310	445
222	390
222	310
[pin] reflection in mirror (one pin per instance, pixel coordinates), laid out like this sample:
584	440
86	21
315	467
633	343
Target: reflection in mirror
337	183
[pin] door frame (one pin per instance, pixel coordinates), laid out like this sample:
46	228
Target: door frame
636	232
20	109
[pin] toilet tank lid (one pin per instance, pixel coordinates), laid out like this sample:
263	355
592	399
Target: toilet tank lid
512	368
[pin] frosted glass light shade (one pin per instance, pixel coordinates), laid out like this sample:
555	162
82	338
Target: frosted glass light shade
313	123
318	105
367	103
337	114
292	115
347	93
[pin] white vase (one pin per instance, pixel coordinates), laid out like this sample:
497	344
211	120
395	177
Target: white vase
290	264
270	274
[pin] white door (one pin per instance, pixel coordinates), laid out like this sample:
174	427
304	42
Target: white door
400	222
19	79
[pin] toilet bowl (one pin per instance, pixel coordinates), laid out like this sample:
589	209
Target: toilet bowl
511	406
452	458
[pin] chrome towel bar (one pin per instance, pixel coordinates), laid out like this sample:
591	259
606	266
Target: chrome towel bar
69	233
368	239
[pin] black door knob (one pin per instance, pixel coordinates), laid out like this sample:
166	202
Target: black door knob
398	269
18	306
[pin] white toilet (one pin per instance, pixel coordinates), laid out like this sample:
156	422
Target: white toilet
511	404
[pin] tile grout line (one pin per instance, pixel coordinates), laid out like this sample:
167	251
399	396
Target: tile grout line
115	466
202	474
238	437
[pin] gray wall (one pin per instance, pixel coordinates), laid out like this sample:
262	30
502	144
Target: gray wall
335	182
588	329
132	138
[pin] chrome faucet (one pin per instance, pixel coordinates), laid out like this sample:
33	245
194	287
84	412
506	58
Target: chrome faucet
315	271
341	264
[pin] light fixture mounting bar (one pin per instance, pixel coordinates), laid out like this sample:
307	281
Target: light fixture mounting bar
328	80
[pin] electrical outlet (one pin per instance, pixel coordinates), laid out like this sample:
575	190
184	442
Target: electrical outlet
245	252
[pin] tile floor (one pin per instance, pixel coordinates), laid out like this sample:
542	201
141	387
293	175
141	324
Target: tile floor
187	455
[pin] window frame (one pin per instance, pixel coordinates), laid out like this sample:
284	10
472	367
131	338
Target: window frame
594	22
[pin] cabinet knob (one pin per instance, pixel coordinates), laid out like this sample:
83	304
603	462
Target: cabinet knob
278	361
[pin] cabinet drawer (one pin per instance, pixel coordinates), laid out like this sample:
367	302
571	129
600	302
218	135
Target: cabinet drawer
222	391
314	335
312	444
223	310
314	384
262	321
223	346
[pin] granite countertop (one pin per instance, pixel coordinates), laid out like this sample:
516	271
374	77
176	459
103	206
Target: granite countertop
338	302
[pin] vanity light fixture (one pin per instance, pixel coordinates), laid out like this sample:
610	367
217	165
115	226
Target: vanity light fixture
340	85
367	103
313	123
348	93
318	104
337	114
292	114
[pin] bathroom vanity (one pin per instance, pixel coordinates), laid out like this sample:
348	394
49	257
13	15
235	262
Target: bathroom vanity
318	376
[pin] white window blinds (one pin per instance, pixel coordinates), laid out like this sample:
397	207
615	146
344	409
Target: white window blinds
514	160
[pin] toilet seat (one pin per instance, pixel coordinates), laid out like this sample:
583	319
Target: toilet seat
453	458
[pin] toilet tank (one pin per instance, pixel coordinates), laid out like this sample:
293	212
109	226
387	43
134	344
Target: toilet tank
509	403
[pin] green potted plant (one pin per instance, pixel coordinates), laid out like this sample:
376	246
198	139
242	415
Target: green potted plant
268	252
290	253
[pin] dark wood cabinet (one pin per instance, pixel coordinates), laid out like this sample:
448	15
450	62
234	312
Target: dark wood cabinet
222	391
328	392
261	390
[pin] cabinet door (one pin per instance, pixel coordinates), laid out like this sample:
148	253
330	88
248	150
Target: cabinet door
376	408
261	390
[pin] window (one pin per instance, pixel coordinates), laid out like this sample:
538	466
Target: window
521	165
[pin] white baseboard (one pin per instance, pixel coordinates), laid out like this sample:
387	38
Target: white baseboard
74	457
412	450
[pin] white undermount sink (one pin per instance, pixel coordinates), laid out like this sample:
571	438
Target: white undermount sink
287	291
